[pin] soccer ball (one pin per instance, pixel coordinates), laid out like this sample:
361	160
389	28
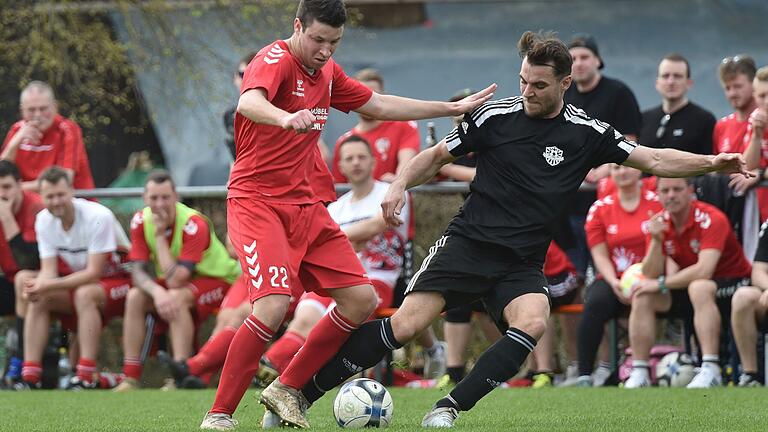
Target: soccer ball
363	403
675	370
630	278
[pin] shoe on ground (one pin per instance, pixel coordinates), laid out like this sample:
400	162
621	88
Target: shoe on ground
600	376
638	378
128	384
169	384
25	385
77	384
708	377
542	380
287	403
193	382
218	421
584	381
571	376
266	374
443	417
746	380
270	420
435	361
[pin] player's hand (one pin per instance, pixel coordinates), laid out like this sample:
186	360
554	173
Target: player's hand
30	132
741	184
657	225
35	288
393	203
649	286
617	291
732	163
764	299
388	177
165	304
473	101
300	121
162	221
758	119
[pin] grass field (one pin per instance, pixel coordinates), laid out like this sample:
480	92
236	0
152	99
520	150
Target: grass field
609	409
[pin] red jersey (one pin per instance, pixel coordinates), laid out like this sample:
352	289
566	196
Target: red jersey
606	186
623	232
25	218
728	135
62	145
762	192
706	228
321	180
557	262
273	163
386	140
194	241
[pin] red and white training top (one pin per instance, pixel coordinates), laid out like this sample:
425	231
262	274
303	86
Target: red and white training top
274	164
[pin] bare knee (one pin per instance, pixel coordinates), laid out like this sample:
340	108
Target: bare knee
232	317
87	297
534	326
744	299
702	291
356	303
137	301
306	318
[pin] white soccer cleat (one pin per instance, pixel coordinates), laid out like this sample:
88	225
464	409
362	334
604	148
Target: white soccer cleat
218	421
270	420
435	365
440	418
637	379
708	376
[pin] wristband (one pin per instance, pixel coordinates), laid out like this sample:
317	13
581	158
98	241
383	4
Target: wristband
662	286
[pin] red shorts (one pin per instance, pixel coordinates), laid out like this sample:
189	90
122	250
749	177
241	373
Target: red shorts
238	294
324	304
115	291
286	248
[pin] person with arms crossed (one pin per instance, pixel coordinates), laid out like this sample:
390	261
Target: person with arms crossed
278	226
677	123
87	238
693	264
494	248
43	138
192	267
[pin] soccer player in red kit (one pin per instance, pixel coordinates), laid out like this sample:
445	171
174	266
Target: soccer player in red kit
276	222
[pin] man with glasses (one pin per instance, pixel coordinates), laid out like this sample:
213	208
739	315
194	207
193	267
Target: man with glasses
677	123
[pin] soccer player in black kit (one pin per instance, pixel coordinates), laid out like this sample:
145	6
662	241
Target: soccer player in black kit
533	151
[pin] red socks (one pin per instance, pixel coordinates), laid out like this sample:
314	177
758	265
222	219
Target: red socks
132	368
282	351
241	364
31	371
85	370
212	355
325	339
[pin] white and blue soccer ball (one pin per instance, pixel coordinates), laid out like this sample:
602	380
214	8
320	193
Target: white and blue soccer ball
363	402
675	370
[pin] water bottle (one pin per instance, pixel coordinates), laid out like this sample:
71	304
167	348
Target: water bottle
65	370
431	134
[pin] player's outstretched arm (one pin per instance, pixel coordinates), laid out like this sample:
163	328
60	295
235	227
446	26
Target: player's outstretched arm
676	163
390	107
419	170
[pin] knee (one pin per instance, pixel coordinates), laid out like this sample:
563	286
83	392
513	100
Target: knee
137	300
702	291
87	296
744	300
230	317
533	326
359	304
642	301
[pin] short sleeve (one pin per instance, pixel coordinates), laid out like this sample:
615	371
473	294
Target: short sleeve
102	233
762	244
139	249
610	145
466	137
714	230
410	138
347	94
11	132
266	72
195	240
594	226
44	247
71	143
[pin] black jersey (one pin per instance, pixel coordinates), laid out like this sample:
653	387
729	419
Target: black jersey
761	255
610	101
528	169
688	129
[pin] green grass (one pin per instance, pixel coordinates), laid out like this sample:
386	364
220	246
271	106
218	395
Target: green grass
610	409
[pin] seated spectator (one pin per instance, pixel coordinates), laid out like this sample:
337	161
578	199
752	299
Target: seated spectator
693	265
750	307
756	153
43	138
193	269
88	240
18	250
616	232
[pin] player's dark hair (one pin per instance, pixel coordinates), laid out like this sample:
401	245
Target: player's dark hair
330	12
355	139
53	175
247	58
675	57
370	74
8	168
160	176
545	49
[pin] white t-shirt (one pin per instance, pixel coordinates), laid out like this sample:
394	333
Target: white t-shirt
95	230
382	257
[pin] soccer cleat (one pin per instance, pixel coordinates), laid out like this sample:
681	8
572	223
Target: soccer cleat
76	384
600	376
218	421
637	379
24	386
287	403
708	376
748	380
128	384
266	374
435	361
542	380
584	381
443	417
270	420
192	382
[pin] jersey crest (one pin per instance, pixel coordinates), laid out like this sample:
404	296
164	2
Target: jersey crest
553	155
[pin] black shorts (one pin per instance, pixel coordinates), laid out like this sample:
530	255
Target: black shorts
7	297
563	288
463	270
463	314
681	303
